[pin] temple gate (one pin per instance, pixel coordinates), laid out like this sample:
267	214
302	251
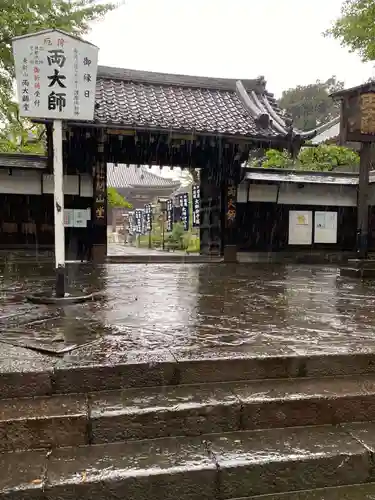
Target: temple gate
211	124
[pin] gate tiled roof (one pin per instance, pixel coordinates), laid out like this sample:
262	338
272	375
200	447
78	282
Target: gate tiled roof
145	100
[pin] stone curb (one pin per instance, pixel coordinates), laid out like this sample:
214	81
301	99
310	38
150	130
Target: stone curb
355	492
67	377
162	259
214	466
113	416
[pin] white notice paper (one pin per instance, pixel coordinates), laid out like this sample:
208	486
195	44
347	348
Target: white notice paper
68	217
325	230
80	218
320	220
300	227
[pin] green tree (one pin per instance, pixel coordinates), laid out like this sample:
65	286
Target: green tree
116	200
19	135
311	105
26	16
321	158
327	157
177	235
355	28
275	159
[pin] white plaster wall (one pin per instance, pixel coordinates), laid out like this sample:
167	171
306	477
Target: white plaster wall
263	192
30	182
318	194
242	192
71	184
20	182
86	186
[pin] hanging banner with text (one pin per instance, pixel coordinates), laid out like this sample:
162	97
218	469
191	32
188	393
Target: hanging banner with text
139	221
231	200
148	218
184	204
169	215
131	223
56	75
196	205
100	193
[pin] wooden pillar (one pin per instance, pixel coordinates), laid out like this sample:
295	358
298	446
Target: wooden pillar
363	194
99	212
230	236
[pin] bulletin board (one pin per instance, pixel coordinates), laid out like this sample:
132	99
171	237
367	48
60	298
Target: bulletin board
325	227
76	218
300	227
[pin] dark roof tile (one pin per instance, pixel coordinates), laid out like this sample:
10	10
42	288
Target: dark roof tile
189	104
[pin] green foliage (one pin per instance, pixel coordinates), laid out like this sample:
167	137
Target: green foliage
194	245
320	158
26	16
177	234
311	105
20	135
327	157
115	200
355	28
275	159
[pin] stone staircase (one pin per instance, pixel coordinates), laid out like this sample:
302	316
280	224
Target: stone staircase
247	427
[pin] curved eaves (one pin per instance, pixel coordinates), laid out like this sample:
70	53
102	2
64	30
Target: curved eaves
307	136
244	97
275	116
256	109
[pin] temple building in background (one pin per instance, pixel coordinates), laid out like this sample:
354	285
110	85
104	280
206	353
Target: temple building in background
138	185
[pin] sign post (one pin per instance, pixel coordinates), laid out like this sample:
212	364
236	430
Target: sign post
59	209
56	80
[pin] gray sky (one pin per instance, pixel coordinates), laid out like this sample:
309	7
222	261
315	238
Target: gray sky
280	39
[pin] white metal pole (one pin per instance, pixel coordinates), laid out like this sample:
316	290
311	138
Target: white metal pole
58	174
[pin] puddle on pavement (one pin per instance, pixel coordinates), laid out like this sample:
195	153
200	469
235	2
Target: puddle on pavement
163	306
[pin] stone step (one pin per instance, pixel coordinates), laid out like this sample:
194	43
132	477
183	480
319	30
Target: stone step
96	371
361	263
137	414
354	492
351	272
163	258
213	466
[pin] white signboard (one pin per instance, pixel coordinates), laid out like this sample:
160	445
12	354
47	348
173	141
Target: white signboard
56	75
76	218
325	227
80	218
300	227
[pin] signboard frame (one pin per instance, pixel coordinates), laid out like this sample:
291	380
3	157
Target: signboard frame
54	70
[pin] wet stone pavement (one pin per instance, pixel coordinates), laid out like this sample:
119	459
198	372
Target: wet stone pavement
249	308
188	381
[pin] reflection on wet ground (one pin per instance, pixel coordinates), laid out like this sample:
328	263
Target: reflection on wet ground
193	306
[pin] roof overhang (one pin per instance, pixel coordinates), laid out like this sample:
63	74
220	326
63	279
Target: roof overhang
303	177
23	161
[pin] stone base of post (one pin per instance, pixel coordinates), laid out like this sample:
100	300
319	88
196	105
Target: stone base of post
230	253
99	253
60	282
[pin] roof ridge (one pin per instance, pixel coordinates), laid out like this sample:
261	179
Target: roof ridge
325	126
170	79
134	175
144	168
